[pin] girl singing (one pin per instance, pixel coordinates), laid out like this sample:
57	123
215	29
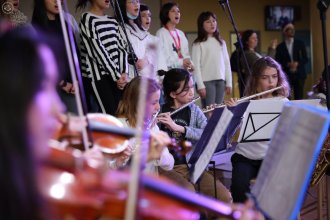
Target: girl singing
173	41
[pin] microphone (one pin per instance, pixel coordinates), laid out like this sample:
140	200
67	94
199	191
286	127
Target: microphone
223	3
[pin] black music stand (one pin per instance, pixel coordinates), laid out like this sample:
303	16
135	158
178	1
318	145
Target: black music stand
285	173
253	133
203	145
238	112
262	117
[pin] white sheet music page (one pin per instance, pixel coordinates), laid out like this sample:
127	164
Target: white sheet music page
218	132
285	172
259	120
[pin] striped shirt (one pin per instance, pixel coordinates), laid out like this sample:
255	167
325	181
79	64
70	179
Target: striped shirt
102	48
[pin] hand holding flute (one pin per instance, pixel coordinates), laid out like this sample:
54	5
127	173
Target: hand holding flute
165	118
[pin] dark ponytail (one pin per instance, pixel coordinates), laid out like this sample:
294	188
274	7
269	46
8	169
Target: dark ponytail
172	82
81	4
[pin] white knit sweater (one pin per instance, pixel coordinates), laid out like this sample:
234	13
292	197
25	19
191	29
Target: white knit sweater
211	62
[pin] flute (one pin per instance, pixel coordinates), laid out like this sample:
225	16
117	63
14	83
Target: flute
184	106
242	99
153	119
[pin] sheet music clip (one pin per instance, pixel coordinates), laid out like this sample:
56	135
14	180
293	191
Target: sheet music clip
218	132
256	205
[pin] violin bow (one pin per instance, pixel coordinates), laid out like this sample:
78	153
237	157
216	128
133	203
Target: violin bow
142	136
74	71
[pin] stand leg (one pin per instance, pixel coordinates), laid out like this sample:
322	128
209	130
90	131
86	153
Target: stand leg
328	196
320	199
214	179
299	217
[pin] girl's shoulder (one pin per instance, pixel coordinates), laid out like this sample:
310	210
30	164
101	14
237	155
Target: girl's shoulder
160	31
89	15
194	107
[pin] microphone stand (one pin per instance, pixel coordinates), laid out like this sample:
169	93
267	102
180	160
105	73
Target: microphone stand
323	6
241	82
131	55
224	4
239	45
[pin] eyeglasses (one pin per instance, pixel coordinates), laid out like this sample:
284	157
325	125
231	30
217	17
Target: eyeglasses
136	2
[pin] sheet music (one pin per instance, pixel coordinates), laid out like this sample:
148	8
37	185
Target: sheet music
288	165
205	157
313	102
260	119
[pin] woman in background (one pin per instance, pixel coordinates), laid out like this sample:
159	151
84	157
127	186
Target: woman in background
250	43
137	37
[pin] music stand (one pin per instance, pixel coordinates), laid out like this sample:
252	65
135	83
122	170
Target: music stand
223	124
262	117
286	170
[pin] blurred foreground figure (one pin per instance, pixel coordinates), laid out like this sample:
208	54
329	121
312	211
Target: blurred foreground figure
29	108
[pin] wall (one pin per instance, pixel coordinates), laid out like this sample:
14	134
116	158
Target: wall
317	46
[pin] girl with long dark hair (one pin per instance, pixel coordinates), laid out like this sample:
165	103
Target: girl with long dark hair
247	159
30	106
212	66
46	18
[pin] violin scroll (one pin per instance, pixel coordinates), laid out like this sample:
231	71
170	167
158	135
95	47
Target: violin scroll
183	147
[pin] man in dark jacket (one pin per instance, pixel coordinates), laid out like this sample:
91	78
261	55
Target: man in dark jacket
292	56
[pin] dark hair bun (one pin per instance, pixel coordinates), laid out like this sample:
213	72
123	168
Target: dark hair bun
161	72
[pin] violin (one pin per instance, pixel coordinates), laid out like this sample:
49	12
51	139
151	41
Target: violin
108	133
76	190
72	188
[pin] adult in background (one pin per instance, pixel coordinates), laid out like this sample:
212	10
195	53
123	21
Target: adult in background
292	56
250	42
